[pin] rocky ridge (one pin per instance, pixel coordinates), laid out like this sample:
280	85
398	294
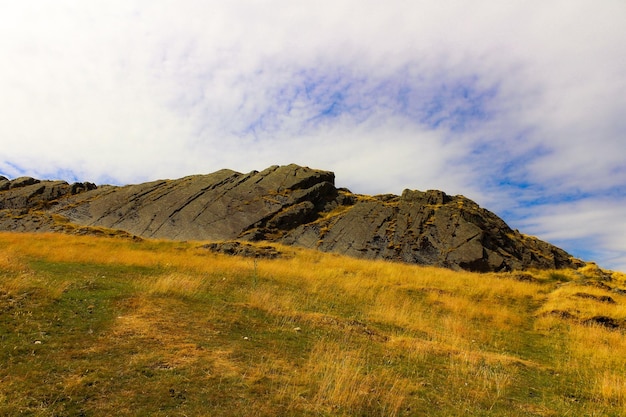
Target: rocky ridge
289	204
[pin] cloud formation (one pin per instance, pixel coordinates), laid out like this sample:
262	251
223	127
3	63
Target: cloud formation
518	105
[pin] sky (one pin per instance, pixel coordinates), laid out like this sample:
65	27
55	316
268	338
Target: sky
517	105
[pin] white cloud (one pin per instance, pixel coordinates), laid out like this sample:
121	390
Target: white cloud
510	103
595	224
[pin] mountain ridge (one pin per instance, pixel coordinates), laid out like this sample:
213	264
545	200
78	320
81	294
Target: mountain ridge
290	204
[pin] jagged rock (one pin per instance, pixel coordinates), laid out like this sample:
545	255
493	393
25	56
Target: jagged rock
30	193
222	205
5	184
23	182
293	205
24	221
79	187
429	228
293	216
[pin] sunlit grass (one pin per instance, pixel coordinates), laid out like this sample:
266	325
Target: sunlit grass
104	326
586	301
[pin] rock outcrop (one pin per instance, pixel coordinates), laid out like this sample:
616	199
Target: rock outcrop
30	193
429	228
289	204
218	206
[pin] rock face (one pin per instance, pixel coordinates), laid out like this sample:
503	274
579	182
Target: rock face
289	204
222	205
429	228
30	193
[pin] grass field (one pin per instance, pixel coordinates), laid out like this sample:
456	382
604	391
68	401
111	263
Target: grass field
108	326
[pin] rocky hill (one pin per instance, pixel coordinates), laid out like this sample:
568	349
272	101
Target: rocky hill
289	204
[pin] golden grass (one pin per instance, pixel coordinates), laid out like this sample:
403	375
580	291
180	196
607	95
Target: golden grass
322	334
17	278
9	262
275	303
343	384
89	249
594	354
585	301
611	389
174	283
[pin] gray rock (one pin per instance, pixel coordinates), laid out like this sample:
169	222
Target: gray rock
23	182
30	193
293	205
5	184
429	228
218	206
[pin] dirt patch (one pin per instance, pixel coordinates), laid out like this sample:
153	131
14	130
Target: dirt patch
599	298
351	326
523	277
562	314
243	249
604	321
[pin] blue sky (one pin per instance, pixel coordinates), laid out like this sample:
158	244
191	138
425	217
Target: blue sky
518	105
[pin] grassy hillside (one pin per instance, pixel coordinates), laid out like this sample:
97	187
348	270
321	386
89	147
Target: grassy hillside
104	326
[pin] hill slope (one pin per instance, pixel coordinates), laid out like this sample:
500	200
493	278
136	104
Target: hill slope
95	327
290	204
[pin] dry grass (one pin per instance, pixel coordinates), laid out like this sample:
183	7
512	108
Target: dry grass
611	389
584	302
344	384
174	283
9	262
165	328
